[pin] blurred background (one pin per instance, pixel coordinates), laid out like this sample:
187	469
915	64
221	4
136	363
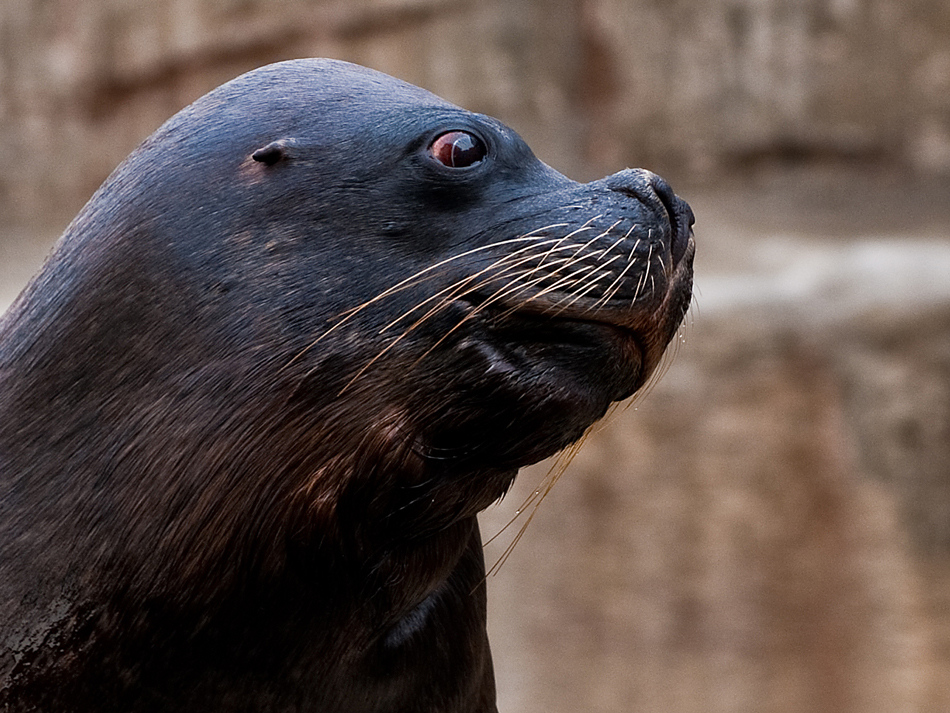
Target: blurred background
768	528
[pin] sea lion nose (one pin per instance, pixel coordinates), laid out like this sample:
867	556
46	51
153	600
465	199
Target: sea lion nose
649	188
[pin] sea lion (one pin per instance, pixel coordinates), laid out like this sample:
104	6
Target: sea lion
256	396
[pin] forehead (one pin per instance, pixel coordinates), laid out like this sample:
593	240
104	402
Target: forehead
305	87
310	98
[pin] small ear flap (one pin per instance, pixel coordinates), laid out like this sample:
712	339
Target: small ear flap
274	151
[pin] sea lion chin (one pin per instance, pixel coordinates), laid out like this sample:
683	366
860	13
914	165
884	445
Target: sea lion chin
250	406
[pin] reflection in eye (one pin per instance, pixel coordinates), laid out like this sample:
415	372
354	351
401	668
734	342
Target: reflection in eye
458	149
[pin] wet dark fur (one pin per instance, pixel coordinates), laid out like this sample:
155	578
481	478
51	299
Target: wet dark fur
255	398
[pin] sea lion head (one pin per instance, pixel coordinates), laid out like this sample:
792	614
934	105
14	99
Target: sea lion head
340	280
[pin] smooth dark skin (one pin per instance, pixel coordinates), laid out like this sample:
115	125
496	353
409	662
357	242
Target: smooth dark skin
222	488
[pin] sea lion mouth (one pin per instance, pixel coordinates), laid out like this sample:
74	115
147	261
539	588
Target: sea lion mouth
550	319
516	340
551	327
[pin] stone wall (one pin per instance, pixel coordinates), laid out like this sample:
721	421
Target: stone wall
693	89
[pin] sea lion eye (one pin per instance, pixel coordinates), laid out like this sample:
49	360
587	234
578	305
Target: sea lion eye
457	149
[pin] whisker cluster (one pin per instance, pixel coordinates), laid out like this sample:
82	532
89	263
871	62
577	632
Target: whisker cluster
564	263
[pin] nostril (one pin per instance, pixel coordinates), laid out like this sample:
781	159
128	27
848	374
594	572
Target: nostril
650	189
665	194
636	182
680	237
646	187
690	217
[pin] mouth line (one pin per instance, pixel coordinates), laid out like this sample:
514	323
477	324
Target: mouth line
548	324
626	321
